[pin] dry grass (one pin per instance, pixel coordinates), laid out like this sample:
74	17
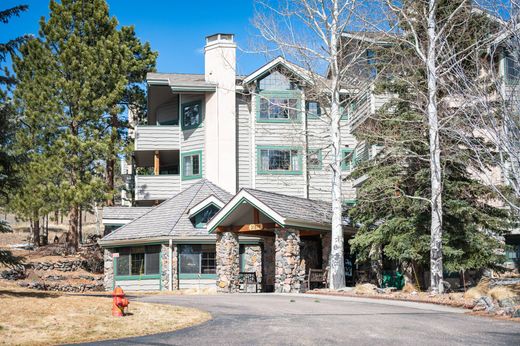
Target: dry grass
473	293
41	318
409	288
501	292
365	289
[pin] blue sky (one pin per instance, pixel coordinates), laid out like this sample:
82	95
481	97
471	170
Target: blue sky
174	28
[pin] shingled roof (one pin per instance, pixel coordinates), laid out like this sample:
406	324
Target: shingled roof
180	80
170	218
124	213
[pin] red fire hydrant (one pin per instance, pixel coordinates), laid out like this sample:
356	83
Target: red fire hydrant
119	302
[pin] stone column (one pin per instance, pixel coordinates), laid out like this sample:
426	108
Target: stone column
165	266
108	269
290	270
228	262
326	243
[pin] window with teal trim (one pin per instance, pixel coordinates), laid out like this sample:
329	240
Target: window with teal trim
197	259
191	165
137	261
278	108
313	109
202	217
347	159
277	160
191	114
314	159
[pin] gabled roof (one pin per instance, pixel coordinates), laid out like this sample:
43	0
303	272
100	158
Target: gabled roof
171	218
280	61
285	210
181	81
123	213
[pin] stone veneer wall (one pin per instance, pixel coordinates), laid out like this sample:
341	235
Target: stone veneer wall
290	270
108	269
228	262
253	262
269	261
165	266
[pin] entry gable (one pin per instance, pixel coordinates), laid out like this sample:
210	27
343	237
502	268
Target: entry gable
274	208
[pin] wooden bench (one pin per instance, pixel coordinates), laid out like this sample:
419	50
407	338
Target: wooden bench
317	277
247	279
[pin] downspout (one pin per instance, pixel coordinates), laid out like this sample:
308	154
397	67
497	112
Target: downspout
170	253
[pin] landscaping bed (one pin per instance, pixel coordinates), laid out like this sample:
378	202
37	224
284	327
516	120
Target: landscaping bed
32	317
502	301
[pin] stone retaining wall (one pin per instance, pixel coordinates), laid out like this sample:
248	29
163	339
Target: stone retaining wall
228	262
290	270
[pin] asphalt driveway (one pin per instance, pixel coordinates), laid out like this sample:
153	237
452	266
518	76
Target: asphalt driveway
269	319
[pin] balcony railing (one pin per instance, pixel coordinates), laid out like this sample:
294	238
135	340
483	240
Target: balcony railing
156	187
157	137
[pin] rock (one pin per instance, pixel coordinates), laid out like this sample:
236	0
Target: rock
484	304
509	302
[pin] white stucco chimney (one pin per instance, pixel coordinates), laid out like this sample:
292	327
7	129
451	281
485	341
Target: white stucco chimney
220	69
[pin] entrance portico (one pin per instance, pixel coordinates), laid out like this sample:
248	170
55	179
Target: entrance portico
295	233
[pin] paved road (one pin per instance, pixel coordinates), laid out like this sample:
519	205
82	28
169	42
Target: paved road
307	320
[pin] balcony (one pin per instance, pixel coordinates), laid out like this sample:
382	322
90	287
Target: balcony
157	137
156	187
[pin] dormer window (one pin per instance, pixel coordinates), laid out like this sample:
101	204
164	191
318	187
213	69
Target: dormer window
200	219
276	81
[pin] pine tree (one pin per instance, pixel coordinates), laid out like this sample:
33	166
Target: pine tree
69	78
9	180
134	97
393	204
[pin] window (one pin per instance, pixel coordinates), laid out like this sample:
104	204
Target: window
202	217
314	159
512	69
278	108
279	160
138	261
276	81
347	159
191	165
313	109
191	115
197	261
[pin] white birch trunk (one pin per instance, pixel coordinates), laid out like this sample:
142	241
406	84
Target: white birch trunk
436	268
337	269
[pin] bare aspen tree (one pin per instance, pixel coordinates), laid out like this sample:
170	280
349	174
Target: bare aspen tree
311	33
490	106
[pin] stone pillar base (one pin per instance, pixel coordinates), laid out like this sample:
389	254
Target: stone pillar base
290	270
228	265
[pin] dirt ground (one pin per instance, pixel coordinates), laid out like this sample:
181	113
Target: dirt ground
43	318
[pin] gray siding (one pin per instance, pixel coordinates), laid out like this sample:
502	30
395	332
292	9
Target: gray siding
156	187
194	139
139	285
244	143
194	283
159	137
